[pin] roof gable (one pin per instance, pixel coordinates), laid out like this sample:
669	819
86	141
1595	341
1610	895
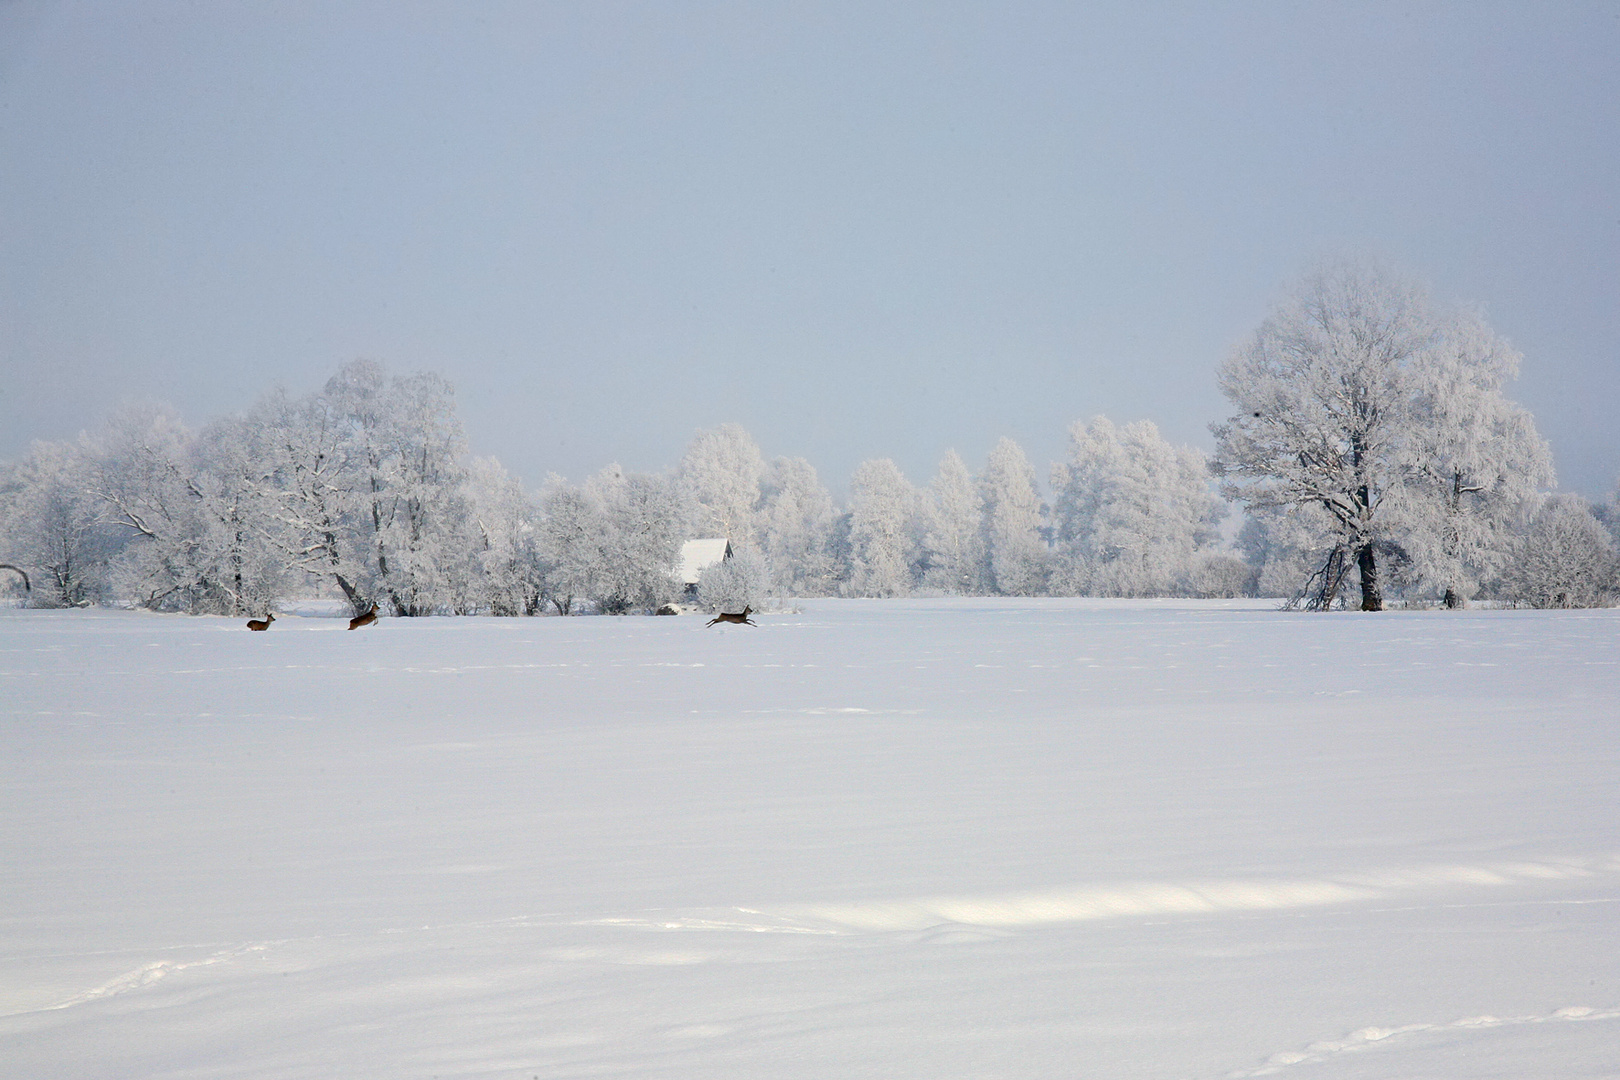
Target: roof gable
699	555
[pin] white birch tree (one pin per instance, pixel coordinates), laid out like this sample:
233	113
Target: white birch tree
1133	512
882	507
1015	549
953	539
797	525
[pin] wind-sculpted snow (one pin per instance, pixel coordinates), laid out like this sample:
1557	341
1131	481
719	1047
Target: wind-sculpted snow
1083	903
869	839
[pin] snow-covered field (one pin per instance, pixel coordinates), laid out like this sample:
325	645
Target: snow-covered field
983	838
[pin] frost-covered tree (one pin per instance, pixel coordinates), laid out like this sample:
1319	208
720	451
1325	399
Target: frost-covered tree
1323	397
1363	398
797	527
1564	559
403	445
615	541
234	481
364	482
644	518
721	474
953	539
314	487
1133	515
882	508
1609	514
1475	461
1015	549
571	530
199	512
511	574
52	527
141	469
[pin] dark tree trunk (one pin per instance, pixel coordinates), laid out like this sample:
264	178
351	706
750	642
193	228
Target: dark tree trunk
1372	597
356	601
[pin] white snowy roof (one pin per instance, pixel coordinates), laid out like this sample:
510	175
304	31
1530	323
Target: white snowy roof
698	555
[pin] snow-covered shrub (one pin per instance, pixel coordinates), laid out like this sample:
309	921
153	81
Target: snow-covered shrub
732	584
1219	577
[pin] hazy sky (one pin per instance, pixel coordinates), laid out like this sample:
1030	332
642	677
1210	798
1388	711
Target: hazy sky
860	230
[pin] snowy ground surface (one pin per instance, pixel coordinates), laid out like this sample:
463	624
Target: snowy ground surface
929	839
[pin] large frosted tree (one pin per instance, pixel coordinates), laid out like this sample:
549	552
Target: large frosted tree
314	481
1323	397
403	445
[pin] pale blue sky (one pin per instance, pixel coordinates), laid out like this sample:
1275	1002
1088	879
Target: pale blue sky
860	230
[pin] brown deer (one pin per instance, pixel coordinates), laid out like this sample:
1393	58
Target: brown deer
740	619
262	624
364	620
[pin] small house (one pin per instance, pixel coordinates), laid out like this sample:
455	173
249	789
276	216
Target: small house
697	556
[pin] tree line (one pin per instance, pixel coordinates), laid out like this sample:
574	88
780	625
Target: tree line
1371	445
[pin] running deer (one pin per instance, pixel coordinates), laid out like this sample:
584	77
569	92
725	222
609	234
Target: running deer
739	619
364	620
262	624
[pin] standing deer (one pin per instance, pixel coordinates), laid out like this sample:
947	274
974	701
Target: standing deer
364	620
262	624
739	618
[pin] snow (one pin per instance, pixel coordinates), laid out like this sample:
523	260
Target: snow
902	838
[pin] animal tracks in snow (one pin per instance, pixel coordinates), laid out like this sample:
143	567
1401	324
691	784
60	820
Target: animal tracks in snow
1368	1037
